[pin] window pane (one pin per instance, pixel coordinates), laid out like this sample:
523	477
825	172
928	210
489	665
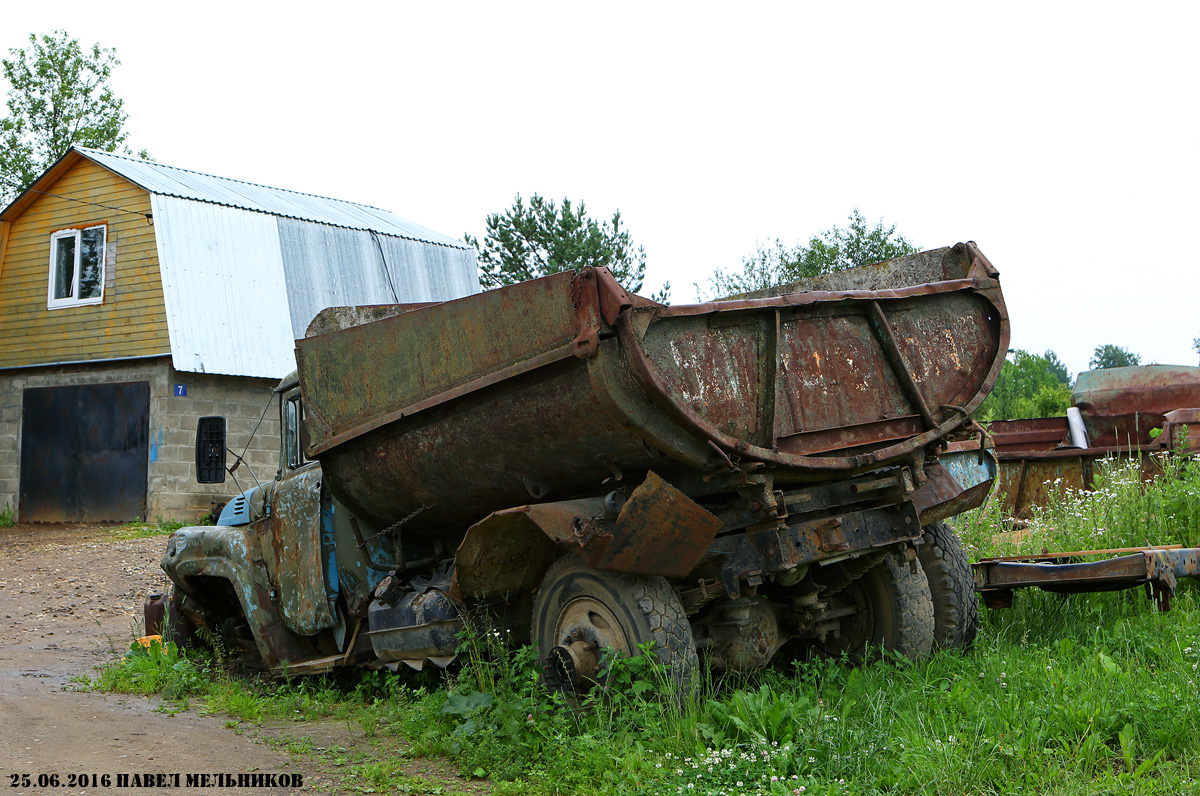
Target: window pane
64	266
293	434
91	263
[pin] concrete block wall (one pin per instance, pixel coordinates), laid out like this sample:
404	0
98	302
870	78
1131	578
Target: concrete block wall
242	401
10	451
172	492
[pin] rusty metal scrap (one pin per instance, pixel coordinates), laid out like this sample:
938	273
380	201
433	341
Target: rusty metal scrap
1121	409
1158	568
1122	405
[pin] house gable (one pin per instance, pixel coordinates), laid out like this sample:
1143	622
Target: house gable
130	321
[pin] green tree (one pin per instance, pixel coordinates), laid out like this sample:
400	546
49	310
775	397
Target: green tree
58	95
1057	367
1196	344
1111	356
1028	386
541	238
830	250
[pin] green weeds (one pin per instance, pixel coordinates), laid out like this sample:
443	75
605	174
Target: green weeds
1124	511
155	669
7	516
140	530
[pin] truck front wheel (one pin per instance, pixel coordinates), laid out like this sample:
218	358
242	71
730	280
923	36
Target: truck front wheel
888	609
177	626
580	612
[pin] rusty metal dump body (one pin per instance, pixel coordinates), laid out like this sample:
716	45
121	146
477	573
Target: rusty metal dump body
551	389
1122	410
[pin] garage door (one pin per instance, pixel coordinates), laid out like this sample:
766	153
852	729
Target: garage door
83	453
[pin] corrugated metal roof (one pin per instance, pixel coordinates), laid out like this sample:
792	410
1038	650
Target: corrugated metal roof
224	289
170	181
331	267
239	286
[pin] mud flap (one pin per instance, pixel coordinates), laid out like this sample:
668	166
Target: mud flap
658	531
958	483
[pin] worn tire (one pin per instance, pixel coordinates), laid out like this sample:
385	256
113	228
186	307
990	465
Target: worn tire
951	587
574	598
177	626
895	614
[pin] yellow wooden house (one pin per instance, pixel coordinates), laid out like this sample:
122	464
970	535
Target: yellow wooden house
136	298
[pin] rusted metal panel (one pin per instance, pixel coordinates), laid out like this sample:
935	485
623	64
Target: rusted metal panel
957	483
84	453
362	378
659	531
505	553
1181	430
1121	405
833	353
752	555
552	388
1036	434
1158	568
295	562
542	437
1024	481
199	558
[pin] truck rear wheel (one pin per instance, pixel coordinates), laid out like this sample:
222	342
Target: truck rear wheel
579	612
894	613
951	586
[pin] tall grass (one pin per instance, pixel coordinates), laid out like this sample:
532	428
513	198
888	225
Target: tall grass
1061	695
1123	511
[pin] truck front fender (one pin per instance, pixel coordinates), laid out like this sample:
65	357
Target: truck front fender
197	554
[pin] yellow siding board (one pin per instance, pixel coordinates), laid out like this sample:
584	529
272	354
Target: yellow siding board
82	327
123	345
67	322
132	319
4	225
102	192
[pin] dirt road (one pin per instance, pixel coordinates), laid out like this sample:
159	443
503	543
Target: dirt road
70	598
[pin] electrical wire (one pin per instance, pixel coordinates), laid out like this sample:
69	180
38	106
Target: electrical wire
383	259
148	216
241	458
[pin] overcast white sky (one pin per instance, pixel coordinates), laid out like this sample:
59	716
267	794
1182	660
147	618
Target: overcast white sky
1062	137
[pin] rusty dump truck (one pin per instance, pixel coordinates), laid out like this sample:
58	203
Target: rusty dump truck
592	471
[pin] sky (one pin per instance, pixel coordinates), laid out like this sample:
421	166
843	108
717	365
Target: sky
1062	137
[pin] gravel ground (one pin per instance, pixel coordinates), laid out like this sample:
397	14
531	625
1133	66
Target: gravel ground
70	600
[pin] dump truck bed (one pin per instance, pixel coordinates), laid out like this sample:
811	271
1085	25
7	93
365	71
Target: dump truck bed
556	387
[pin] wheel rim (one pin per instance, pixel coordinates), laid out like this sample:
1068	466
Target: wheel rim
584	628
856	632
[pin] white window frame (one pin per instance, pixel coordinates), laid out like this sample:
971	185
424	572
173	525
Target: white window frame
53	303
